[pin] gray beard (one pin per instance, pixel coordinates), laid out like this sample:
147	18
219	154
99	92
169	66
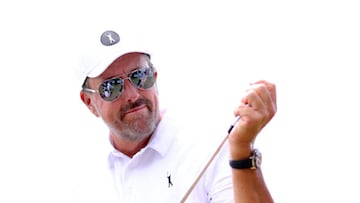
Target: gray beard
133	132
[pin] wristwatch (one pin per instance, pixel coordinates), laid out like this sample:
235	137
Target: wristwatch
253	162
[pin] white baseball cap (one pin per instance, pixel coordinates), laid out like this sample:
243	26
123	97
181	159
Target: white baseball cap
100	45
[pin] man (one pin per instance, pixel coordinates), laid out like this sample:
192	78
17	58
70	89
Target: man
151	160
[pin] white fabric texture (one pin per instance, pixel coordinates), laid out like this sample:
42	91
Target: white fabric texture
165	169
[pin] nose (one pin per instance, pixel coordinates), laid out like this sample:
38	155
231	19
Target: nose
130	93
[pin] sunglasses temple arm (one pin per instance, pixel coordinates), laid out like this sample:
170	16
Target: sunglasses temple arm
209	162
89	90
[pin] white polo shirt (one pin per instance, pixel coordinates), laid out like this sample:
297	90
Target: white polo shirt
166	168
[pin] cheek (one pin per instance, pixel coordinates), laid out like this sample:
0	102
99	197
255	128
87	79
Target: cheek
107	111
96	110
103	109
154	97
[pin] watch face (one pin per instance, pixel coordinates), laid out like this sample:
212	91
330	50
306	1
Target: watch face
258	162
257	158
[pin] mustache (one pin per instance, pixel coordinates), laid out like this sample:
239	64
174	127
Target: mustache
135	104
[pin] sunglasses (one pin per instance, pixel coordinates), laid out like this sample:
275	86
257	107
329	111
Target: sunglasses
110	90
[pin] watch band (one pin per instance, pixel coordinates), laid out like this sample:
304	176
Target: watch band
253	162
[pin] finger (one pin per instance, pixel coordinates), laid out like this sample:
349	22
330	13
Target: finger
259	97
253	99
271	88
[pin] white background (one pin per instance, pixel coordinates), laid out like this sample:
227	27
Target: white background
206	52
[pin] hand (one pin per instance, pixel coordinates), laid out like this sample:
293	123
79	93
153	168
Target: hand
257	108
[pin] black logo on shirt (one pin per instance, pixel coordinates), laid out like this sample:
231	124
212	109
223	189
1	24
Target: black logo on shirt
169	180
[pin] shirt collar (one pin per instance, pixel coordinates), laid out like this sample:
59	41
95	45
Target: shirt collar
161	140
164	136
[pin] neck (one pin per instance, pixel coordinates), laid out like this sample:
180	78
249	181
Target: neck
129	148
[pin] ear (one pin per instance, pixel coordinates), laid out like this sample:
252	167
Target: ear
156	74
86	99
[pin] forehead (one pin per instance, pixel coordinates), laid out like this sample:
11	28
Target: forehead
126	63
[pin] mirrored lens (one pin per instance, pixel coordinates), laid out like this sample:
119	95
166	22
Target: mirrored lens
143	78
110	90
